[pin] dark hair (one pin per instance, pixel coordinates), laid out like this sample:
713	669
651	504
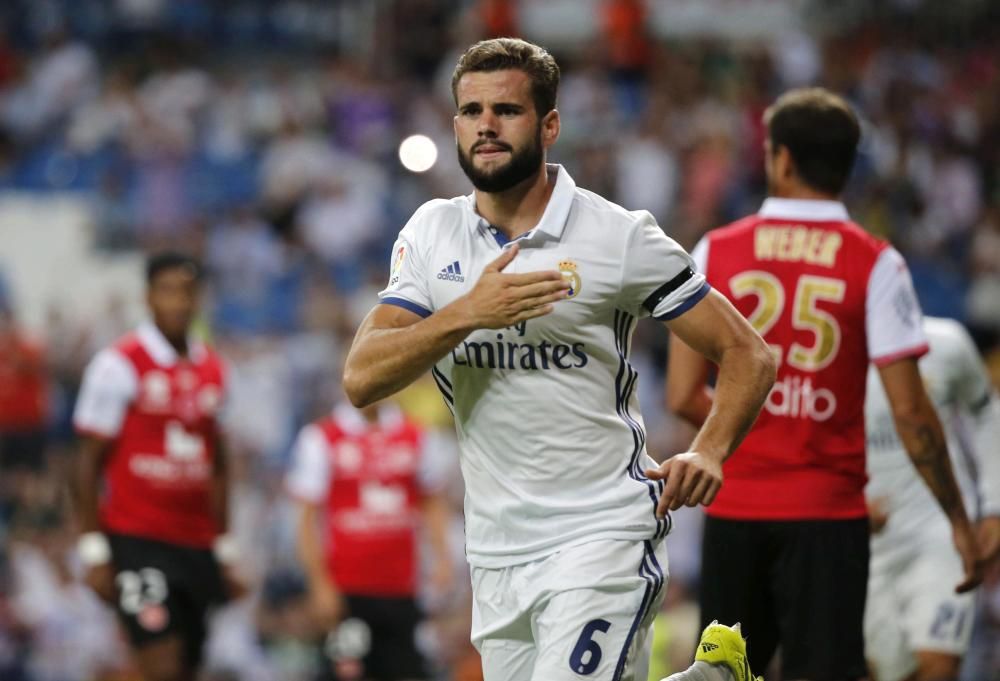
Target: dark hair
169	260
820	131
499	54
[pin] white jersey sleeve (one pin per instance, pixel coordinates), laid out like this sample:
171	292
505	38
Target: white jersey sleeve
893	319
408	281
310	475
658	276
109	385
976	397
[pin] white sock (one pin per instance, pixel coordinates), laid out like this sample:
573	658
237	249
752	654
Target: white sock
703	671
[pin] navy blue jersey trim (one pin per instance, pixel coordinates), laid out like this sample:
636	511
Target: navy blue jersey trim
444	386
652	574
625	382
687	304
406	305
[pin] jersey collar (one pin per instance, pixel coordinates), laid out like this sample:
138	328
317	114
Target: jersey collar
556	211
809	210
159	348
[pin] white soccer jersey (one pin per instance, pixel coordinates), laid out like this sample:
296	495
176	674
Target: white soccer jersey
959	387
552	443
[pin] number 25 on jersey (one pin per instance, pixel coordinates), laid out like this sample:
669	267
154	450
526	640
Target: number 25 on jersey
806	315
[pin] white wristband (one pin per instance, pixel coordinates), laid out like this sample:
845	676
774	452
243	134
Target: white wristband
225	548
93	549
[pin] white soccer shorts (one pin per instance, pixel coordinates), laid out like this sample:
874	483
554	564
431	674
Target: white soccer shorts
585	612
912	605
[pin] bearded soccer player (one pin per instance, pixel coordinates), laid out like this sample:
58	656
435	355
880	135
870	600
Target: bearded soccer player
521	299
829	299
151	478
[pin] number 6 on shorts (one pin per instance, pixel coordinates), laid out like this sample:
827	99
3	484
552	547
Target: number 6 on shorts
586	653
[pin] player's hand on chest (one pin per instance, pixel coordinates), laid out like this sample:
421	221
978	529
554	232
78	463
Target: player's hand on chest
503	290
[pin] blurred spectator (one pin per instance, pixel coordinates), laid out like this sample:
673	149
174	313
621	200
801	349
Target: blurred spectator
62	77
23	404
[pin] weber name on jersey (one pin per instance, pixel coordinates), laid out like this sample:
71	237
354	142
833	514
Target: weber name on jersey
552	442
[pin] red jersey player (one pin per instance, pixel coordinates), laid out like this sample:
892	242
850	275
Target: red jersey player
828	298
151	479
373	476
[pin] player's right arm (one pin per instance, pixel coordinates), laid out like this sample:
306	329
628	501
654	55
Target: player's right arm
395	346
327	602
108	387
93	546
895	335
308	483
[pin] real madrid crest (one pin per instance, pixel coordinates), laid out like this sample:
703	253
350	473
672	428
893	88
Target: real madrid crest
567	268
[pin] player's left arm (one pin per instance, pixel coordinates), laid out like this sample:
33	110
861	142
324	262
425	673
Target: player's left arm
225	548
220	485
716	331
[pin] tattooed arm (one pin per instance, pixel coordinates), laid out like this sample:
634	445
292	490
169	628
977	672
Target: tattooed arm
920	431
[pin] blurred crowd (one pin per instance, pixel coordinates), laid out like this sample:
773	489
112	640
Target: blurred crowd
262	136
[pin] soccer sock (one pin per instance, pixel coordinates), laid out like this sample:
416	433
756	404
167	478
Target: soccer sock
703	671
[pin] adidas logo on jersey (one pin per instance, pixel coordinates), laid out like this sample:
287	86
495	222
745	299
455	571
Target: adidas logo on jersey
452	272
708	647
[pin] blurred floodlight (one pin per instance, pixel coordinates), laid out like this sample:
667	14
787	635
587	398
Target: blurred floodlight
418	153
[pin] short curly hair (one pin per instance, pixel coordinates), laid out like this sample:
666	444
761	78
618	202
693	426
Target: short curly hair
499	54
820	131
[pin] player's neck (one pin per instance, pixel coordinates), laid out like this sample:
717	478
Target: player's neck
180	345
798	190
518	209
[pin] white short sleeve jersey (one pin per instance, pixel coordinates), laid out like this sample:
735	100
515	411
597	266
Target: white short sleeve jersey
552	442
892	311
109	385
957	383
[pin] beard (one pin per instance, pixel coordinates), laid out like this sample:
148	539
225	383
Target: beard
523	164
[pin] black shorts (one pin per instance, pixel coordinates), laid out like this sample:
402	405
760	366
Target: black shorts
165	590
797	584
379	631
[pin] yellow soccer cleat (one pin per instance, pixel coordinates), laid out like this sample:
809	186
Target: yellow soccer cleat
722	645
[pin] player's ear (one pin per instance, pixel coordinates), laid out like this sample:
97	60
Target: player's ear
784	164
550	128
